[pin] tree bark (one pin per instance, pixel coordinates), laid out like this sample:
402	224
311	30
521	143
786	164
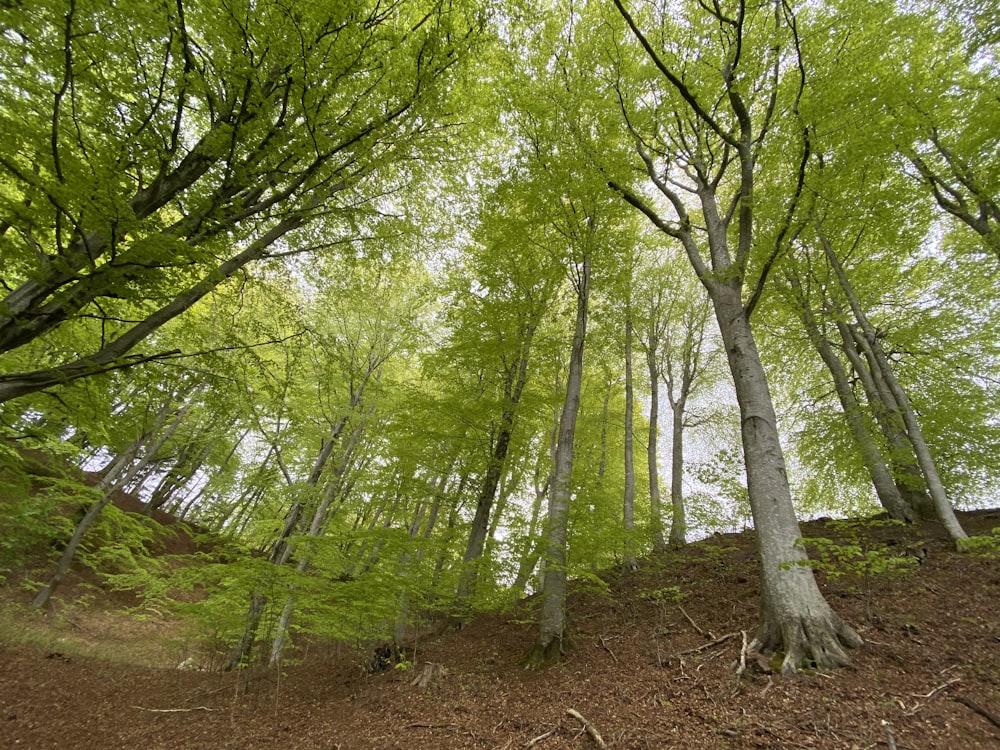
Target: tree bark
553	641
885	487
901	460
108	485
869	343
794	618
517	378
629	561
652	459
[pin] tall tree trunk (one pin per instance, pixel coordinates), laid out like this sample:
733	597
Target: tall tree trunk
629	561
536	541
794	616
652	445
869	343
885	488
553	641
900	457
334	491
678	520
281	548
517	378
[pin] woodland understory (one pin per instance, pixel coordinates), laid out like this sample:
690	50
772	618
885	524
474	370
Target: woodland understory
406	314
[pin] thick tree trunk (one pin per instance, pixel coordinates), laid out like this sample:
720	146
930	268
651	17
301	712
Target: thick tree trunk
629	561
794	616
553	641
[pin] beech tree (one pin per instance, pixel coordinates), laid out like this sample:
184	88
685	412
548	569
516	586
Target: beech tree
152	155
711	157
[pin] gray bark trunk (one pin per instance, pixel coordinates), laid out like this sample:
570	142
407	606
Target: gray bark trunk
869	343
553	641
656	511
517	378
878	470
902	462
111	481
794	616
629	561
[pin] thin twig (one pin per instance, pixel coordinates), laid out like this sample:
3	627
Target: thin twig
173	710
588	727
606	648
704	646
938	689
539	738
693	623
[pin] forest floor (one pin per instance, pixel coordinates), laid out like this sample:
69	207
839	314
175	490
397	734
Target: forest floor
652	668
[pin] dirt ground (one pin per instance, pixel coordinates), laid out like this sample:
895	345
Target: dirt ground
652	668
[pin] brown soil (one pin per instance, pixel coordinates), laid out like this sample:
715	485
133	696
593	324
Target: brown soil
652	668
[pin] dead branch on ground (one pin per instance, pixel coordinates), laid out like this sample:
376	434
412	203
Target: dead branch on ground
607	648
588	727
535	740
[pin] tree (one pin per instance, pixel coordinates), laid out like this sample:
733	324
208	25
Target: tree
718	143
246	132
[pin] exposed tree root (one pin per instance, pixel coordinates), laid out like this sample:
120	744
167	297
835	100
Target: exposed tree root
816	642
541	655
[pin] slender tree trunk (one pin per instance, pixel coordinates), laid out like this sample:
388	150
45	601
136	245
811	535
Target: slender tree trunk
899	455
108	485
517	378
885	488
629	561
536	541
652	445
553	641
869	343
320	518
678	521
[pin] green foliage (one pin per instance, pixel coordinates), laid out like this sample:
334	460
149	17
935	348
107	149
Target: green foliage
667	594
858	558
987	547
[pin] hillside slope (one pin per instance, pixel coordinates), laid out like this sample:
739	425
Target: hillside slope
652	668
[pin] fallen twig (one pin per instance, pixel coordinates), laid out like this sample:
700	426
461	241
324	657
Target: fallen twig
606	648
938	689
534	741
979	710
172	710
705	646
588	727
693	623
